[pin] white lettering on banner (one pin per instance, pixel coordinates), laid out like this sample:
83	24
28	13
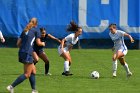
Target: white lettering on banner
104	1
124	18
104	23
82	18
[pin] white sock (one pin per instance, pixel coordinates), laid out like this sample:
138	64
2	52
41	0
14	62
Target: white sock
126	68
66	66
114	66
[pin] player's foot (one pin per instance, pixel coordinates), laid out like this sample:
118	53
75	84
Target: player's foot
114	74
48	74
67	73
129	74
10	89
34	91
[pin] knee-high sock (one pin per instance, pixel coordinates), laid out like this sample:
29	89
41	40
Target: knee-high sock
47	65
66	66
20	79
126	67
114	65
32	80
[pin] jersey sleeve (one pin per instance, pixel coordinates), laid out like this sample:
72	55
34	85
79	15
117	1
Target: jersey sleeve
69	37
121	33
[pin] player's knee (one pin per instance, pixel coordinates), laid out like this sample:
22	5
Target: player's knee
46	61
34	71
122	63
114	59
27	75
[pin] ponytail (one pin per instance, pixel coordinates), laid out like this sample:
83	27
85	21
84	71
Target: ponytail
73	27
32	23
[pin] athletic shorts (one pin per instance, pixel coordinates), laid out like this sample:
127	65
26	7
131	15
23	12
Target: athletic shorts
39	51
124	51
25	57
60	51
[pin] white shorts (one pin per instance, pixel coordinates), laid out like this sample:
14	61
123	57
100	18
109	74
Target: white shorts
60	51
124	51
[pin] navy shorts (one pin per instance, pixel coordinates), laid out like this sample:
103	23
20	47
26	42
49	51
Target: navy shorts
39	51
25	57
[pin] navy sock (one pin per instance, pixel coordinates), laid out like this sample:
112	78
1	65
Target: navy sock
32	81
47	68
20	79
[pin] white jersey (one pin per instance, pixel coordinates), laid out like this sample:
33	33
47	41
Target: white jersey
118	39
70	41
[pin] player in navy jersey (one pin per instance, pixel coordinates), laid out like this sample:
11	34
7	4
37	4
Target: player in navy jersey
39	52
25	43
67	44
120	49
1	37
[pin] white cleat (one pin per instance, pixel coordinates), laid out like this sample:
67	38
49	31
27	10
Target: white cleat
34	91
48	74
129	74
114	74
10	89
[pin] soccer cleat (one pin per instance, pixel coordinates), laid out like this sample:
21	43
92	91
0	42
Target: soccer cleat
10	89
34	91
67	73
48	74
114	74
129	74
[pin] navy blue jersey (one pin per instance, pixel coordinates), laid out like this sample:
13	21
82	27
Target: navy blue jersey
27	39
40	48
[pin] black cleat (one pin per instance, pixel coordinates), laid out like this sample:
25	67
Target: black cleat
67	73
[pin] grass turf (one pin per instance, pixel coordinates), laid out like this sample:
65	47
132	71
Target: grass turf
84	61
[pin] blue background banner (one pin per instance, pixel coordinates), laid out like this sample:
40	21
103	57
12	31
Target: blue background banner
93	15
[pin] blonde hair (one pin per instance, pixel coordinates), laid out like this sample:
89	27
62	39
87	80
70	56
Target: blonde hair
32	23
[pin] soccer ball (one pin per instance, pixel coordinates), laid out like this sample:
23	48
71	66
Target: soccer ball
95	74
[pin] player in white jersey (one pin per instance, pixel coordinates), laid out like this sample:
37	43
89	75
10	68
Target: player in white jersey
1	37
120	49
67	44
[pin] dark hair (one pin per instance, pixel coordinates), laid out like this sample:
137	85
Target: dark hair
42	29
113	25
73	27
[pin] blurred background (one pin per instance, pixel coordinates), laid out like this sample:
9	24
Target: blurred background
93	16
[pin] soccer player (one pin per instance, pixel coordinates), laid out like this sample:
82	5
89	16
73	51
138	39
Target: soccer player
120	49
39	52
25	43
67	44
1	37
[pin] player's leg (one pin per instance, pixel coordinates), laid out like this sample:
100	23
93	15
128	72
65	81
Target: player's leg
70	60
66	56
20	79
125	65
67	63
32	79
114	65
35	57
44	57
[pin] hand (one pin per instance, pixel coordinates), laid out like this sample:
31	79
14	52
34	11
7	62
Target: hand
43	43
132	40
2	40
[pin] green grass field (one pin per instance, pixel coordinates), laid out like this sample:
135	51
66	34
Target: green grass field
84	62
